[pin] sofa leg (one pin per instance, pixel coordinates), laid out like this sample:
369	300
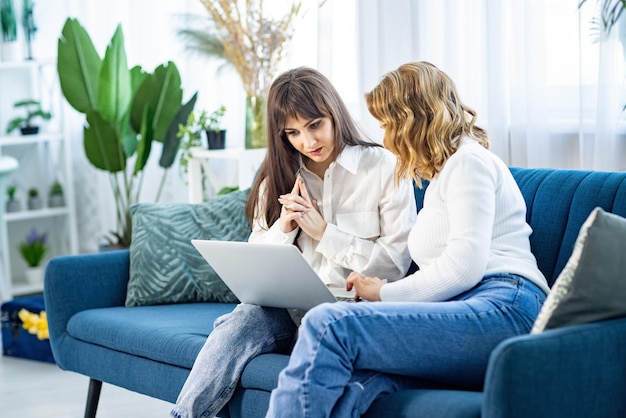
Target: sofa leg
93	396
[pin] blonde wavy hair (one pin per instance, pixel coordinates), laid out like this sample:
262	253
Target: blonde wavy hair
424	119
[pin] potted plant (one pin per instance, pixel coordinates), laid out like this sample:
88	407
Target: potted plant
216	136
190	134
13	204
33	249
8	23
25	123
34	200
253	42
55	197
123	120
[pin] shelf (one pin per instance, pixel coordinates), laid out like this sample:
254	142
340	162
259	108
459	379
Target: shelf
35	214
21	288
18	65
42	158
30	139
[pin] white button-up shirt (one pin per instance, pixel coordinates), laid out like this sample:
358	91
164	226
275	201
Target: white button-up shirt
368	218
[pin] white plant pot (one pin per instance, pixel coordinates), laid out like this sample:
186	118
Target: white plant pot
34	275
12	51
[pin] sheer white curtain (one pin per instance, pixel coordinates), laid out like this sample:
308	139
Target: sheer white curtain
547	93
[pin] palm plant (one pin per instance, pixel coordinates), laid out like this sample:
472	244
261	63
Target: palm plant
609	12
126	110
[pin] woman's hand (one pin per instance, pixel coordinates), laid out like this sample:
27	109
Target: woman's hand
293	208
367	288
299	210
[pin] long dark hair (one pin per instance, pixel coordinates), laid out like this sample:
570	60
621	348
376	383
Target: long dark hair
300	92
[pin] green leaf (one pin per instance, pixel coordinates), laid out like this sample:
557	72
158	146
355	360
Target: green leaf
145	143
137	75
78	66
128	136
164	93
171	143
103	147
114	90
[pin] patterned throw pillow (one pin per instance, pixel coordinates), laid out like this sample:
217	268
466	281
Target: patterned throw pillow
592	286
164	265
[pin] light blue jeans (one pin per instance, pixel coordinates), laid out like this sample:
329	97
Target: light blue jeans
237	338
348	354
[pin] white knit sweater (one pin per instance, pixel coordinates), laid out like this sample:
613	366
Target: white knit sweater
473	223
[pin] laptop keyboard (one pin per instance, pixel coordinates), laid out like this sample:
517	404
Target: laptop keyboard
346	299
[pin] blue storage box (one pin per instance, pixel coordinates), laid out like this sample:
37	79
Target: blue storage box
17	341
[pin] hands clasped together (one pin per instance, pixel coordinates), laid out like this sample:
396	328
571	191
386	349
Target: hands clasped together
299	210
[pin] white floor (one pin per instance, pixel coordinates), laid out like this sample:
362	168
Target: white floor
33	389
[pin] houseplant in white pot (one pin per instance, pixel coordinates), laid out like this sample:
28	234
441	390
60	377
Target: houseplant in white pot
33	249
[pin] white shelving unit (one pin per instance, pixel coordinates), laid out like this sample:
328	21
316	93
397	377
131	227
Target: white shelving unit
42	159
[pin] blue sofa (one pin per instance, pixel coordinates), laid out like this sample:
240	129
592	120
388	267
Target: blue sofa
577	371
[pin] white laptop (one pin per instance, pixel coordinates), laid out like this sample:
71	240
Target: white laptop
273	275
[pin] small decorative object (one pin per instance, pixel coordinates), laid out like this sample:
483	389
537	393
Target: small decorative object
11	50
34	200
33	250
28	22
254	44
35	324
25	329
13	204
216	136
56	198
25	123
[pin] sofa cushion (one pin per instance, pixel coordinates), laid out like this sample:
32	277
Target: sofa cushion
433	403
164	265
592	286
262	371
171	334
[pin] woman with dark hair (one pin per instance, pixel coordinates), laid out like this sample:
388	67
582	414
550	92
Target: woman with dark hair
478	282
325	189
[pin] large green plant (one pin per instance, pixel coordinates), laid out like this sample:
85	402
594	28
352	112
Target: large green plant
126	111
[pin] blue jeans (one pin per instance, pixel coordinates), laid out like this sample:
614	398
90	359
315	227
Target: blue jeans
348	354
237	338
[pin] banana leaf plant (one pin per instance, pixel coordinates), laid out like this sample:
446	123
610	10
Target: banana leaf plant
126	110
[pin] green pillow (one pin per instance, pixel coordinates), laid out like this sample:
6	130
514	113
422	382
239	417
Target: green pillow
164	265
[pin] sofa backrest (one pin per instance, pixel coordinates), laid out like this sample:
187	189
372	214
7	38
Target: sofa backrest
558	202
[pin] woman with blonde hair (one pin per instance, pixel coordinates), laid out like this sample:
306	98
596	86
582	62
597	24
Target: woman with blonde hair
477	283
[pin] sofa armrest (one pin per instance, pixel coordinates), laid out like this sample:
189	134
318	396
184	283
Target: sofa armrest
75	283
577	371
